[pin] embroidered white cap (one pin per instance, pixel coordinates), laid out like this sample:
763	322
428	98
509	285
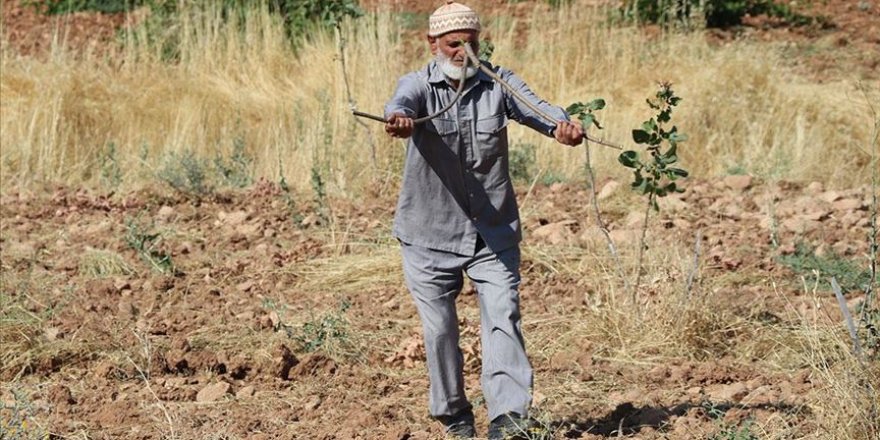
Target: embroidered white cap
452	17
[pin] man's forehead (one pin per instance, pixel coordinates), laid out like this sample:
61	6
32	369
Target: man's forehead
460	35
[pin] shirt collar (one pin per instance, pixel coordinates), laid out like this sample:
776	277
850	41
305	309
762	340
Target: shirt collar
436	76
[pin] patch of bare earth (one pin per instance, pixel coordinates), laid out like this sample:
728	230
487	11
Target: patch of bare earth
280	324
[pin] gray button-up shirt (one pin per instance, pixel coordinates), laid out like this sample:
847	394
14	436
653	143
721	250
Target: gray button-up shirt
456	183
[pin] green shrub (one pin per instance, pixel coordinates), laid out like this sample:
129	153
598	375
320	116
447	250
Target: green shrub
54	7
717	13
236	171
186	173
521	162
147	244
328	330
805	261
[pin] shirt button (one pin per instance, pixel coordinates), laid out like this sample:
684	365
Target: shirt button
470	194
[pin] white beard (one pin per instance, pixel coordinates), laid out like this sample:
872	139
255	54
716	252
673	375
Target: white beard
452	71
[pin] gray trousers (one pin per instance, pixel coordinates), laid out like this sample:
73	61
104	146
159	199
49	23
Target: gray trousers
435	279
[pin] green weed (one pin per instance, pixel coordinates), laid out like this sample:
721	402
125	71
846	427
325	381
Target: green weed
521	162
111	172
550	177
728	431
187	174
327	330
237	170
320	190
146	243
805	261
18	422
714	13
54	7
289	202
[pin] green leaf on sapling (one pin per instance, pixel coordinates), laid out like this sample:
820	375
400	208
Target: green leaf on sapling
629	159
640	136
575	108
596	104
677	172
677	137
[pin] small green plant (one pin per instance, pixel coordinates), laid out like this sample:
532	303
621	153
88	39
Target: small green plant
715	13
550	177
54	7
186	173
300	15
871	337
655	176
147	244
237	170
320	190
487	48
289	202
805	261
111	172
329	329
728	431
584	112
521	162
17	421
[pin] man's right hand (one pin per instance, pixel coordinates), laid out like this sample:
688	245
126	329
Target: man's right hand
399	126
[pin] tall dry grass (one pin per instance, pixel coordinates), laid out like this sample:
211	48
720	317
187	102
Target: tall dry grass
238	81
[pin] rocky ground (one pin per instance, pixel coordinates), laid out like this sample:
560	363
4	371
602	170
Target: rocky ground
150	314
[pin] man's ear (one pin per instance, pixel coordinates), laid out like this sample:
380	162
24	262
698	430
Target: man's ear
432	42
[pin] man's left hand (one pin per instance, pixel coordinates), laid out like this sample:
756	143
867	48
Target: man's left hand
568	133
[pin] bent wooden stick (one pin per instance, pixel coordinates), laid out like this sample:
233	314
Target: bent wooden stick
534	108
458	92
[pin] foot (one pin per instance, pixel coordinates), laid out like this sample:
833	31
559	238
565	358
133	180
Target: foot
510	426
459	426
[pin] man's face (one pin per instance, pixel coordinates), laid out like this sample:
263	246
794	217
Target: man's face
450	45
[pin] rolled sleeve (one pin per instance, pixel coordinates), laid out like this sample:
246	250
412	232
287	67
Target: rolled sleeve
521	113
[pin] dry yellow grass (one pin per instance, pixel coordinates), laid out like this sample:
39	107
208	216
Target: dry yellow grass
239	82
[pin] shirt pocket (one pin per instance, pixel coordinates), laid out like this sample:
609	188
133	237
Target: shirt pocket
446	129
492	136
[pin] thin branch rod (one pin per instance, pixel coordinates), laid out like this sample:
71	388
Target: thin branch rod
458	93
534	108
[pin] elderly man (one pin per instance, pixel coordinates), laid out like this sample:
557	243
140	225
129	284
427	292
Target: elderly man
457	214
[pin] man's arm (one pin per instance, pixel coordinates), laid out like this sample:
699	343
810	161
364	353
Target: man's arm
564	131
404	105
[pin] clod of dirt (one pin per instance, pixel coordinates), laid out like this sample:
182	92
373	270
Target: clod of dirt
733	392
555	233
165	212
283	361
314	365
847	204
213	393
233	219
60	395
245	392
738	182
608	190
